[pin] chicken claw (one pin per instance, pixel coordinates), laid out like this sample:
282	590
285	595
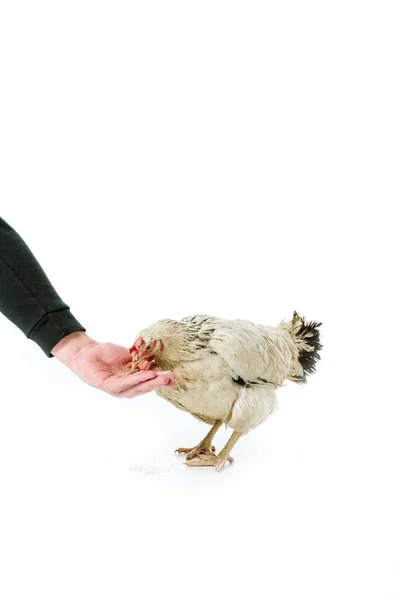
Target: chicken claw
201	449
216	461
204	447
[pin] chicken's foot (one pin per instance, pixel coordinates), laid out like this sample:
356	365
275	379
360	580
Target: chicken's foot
218	461
204	448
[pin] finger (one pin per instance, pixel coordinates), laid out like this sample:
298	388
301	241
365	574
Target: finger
117	384
165	380
138	390
172	380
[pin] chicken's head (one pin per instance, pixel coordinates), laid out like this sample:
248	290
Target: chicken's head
144	353
167	343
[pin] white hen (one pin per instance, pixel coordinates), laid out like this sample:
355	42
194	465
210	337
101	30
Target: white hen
227	371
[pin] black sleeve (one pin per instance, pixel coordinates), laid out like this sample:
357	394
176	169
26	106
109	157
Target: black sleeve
27	297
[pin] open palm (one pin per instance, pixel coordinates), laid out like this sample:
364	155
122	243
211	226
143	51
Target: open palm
106	367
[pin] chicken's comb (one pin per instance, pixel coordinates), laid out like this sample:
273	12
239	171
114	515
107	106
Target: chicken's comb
134	350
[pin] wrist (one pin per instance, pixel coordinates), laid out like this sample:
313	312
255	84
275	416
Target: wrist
71	346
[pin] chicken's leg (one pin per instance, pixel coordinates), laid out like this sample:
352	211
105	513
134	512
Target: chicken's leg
204	447
220	460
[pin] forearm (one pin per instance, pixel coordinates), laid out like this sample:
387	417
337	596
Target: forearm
27	297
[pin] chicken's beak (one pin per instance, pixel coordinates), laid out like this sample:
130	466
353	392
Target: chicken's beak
142	352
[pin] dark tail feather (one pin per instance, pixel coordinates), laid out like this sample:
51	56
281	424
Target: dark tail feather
307	340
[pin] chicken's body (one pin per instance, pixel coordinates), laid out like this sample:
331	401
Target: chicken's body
228	371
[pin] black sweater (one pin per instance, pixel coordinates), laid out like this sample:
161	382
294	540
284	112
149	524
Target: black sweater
27	297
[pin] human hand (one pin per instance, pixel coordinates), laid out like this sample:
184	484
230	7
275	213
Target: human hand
106	367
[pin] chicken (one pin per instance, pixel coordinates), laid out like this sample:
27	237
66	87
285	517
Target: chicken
227	371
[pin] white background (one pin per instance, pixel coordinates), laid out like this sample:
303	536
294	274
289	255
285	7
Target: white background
232	158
